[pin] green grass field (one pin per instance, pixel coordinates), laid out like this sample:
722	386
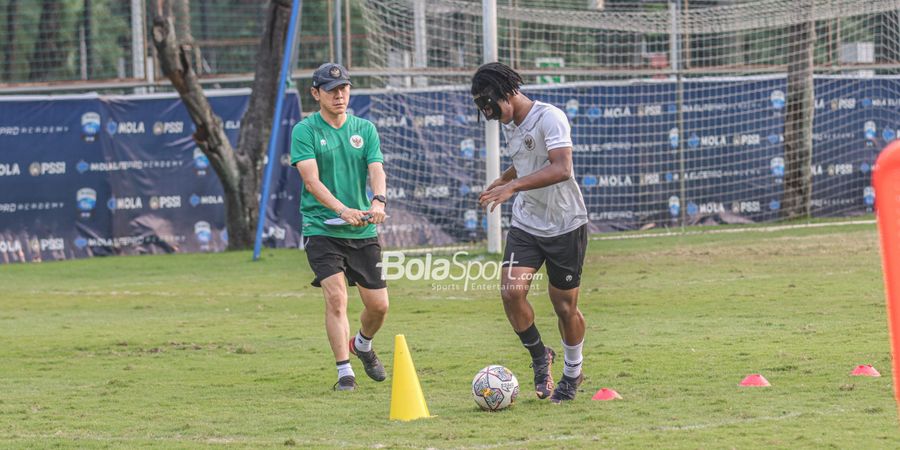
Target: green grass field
185	351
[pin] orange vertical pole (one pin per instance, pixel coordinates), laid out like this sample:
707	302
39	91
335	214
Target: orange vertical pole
886	180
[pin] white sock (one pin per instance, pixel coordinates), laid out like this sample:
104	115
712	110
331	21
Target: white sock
573	358
362	344
344	369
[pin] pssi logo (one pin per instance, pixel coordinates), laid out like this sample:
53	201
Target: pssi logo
160	128
843	103
49	244
165	202
746	207
441	191
747	139
47	168
648	179
429	120
840	169
650	110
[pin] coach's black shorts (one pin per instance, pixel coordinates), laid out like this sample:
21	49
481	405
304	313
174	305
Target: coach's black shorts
357	258
564	254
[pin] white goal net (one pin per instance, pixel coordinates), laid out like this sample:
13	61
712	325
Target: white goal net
687	113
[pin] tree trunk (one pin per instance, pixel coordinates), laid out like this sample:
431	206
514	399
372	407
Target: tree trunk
239	170
48	54
798	119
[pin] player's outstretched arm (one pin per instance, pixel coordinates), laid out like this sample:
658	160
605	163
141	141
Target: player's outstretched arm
309	172
507	176
559	169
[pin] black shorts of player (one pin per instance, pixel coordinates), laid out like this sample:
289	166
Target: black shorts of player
357	258
564	254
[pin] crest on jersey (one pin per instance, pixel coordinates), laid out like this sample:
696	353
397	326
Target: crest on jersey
334	72
356	141
529	142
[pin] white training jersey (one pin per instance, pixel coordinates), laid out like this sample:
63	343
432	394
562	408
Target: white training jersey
552	210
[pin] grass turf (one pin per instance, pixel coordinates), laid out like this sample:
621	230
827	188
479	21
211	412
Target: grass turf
181	351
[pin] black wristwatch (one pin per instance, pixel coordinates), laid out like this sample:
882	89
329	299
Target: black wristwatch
380	198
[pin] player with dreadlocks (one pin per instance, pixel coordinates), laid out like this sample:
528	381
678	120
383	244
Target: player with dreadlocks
549	221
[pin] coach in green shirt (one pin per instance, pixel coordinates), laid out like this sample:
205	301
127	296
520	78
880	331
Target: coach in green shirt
335	153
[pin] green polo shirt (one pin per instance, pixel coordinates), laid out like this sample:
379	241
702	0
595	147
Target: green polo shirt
343	156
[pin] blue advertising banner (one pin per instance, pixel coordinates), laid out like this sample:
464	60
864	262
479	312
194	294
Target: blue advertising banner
97	175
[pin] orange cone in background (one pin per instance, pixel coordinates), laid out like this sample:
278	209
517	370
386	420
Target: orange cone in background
865	370
886	180
755	379
605	394
407	400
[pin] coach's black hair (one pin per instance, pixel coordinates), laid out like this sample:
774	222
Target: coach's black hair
496	80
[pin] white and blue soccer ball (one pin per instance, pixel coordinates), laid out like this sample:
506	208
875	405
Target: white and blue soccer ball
494	388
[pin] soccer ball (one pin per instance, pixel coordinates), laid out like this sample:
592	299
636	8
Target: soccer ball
495	388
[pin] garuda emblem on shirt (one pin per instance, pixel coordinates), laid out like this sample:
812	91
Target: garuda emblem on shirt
529	142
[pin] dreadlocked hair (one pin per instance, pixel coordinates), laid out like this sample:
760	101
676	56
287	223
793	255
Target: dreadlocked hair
496	79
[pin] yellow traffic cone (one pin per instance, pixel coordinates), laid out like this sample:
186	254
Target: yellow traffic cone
407	401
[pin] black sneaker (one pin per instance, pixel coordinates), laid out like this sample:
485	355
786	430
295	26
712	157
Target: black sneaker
543	379
566	389
374	368
346	383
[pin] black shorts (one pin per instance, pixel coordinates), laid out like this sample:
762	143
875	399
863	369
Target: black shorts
357	258
564	254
